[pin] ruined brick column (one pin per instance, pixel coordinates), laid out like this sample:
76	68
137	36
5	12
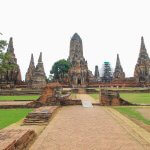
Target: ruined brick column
112	98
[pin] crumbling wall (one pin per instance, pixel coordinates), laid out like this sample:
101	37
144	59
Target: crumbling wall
112	98
51	96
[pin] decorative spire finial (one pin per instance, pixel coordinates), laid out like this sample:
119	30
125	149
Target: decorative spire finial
118	61
40	58
10	46
32	59
142	44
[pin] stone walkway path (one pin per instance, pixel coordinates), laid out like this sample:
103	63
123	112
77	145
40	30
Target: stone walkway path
14	103
78	128
86	97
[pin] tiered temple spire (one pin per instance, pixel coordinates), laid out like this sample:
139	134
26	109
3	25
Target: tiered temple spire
10	46
79	75
39	77
30	72
97	75
118	73
76	48
142	68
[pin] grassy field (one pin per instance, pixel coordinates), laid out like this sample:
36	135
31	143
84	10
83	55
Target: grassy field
132	113
138	98
95	96
9	116
22	97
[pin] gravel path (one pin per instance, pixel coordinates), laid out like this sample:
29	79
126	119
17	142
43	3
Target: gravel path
78	128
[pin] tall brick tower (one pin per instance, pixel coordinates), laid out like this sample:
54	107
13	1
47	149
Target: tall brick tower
118	73
39	77
30	72
142	68
79	75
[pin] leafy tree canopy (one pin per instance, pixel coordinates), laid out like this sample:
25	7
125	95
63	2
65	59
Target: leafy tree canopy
4	58
60	69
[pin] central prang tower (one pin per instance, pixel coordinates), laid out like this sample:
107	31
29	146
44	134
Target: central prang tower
79	75
76	49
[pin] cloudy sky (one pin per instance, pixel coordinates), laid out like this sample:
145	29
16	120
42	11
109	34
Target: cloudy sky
107	27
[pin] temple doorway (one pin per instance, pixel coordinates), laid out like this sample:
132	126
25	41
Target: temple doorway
79	81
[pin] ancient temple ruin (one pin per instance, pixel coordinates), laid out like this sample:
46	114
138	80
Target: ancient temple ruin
30	72
79	75
13	74
142	68
97	75
118	73
38	77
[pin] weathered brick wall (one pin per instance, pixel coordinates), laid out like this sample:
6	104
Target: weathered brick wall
16	139
112	98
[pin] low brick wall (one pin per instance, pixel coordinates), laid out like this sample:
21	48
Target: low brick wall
112	98
16	139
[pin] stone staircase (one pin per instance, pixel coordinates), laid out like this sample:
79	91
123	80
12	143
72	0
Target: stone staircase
40	116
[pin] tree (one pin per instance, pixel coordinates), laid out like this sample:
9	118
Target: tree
107	72
60	69
3	56
5	65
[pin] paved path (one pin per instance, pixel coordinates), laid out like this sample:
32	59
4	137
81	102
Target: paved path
14	103
86	97
78	128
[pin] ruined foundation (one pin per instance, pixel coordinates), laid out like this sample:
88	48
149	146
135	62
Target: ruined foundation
112	98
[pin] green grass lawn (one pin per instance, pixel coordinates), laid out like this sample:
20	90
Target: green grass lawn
21	97
138	98
95	96
132	113
9	116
